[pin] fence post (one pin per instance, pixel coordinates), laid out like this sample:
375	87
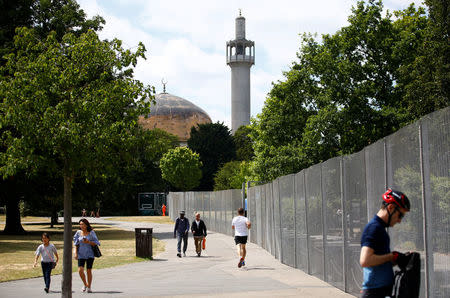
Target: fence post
427	207
324	227
279	216
308	262
344	224
294	196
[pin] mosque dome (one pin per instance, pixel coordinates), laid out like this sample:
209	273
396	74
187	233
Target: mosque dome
174	115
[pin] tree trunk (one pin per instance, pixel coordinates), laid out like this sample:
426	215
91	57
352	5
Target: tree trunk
13	225
54	217
67	253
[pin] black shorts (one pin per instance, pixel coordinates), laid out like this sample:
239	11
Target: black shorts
240	239
377	293
89	262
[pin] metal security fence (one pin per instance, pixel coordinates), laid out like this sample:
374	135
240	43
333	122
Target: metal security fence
313	220
217	208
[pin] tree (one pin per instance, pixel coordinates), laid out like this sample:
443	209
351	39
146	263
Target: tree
61	16
181	167
243	143
119	192
344	92
214	143
81	105
231	175
427	77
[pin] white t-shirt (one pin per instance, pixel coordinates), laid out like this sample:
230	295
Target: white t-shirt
240	225
46	253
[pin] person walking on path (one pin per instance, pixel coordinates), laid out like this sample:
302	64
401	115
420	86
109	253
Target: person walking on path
376	257
240	224
47	251
163	210
83	240
181	232
198	228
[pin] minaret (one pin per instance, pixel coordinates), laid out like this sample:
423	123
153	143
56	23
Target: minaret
240	57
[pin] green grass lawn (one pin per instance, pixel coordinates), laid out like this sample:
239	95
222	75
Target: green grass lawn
150	219
28	219
17	251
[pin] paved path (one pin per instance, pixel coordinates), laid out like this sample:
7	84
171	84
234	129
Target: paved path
214	274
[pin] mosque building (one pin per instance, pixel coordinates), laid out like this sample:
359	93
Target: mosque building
174	115
177	115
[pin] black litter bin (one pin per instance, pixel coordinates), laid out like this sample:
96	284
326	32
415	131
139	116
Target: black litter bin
144	242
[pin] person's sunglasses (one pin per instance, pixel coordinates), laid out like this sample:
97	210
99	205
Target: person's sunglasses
400	214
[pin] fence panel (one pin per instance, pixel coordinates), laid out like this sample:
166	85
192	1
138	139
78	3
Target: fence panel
436	142
276	217
221	211
314	215
224	211
235	205
355	217
258	215
251	214
404	174
334	238
286	184
269	219
301	249
262	214
313	220
206	209
230	213
375	176
212	213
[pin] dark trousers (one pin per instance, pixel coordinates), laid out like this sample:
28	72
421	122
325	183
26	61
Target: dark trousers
47	272
185	240
377	293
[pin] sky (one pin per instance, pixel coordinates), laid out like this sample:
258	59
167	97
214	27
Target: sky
186	41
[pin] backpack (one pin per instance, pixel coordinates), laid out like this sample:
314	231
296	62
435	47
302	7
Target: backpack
407	279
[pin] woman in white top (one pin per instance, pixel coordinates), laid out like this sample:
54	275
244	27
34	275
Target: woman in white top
48	252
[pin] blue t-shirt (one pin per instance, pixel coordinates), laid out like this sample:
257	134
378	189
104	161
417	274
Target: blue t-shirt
376	237
85	249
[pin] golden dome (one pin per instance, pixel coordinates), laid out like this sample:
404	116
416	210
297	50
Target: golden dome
175	115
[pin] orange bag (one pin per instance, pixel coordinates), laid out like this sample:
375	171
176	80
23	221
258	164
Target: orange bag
204	243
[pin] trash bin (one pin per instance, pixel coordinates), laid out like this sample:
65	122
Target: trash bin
144	242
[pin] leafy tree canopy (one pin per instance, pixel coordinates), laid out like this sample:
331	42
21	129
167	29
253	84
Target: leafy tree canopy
244	144
231	175
60	16
343	93
181	167
214	143
74	104
72	107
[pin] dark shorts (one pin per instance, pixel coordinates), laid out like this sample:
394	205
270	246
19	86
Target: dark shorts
89	263
240	239
377	293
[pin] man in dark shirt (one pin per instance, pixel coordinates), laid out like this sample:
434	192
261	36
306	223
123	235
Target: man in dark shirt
198	228
376	257
180	232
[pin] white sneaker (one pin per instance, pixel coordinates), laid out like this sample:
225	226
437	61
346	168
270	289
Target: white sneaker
83	289
89	290
184	254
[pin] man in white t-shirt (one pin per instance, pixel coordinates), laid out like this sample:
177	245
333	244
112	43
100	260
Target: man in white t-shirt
240	224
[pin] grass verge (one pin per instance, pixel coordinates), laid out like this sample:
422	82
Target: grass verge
25	219
151	219
17	251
